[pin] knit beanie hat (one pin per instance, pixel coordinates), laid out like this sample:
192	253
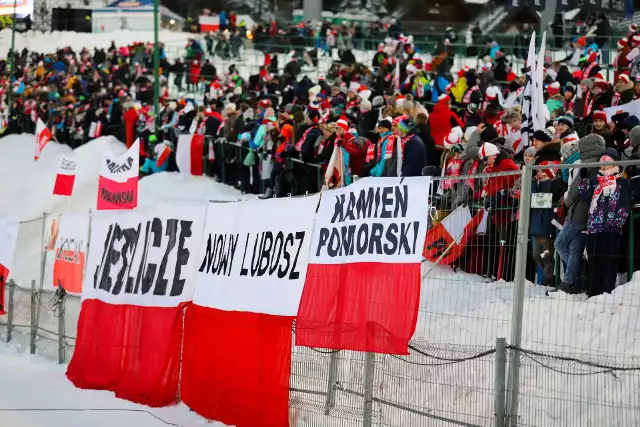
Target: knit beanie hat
343	124
543	135
565	120
530	151
634	136
588	83
488	149
599	115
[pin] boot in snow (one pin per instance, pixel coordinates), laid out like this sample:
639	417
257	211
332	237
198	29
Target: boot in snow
267	194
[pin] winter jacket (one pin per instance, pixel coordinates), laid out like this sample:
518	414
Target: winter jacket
555	102
540	219
497	187
441	121
423	131
467	189
591	148
611	211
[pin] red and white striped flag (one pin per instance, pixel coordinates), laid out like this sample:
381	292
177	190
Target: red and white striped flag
43	137
65	178
446	241
118	184
95	129
190	154
362	290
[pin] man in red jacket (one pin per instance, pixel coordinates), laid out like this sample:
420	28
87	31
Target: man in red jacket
442	120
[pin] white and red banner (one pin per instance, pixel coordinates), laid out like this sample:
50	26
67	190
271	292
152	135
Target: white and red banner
65	178
118	183
209	23
190	154
95	129
8	237
140	274
70	248
250	279
43	137
363	282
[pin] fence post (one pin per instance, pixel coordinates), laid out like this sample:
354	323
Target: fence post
43	263
500	377
331	382
62	300
518	296
33	324
369	372
12	289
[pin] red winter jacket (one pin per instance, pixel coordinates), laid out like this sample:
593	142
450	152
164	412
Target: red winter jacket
356	154
194	72
441	121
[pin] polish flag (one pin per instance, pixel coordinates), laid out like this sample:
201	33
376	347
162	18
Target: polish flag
118	184
362	290
140	276
65	178
446	241
190	154
247	294
8	238
95	129
163	151
43	137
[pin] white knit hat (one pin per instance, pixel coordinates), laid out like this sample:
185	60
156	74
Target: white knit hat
488	149
454	137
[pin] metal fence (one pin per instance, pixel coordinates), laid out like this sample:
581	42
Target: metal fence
491	348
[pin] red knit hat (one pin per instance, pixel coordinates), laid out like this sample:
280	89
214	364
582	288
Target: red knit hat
624	77
553	89
599	115
343	123
551	173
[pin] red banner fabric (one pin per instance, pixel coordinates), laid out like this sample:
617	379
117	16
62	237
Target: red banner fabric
117	195
361	306
236	366
4	274
131	350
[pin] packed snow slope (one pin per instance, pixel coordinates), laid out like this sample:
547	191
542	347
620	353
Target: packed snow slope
29	382
27	185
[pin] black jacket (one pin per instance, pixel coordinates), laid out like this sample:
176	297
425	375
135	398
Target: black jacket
548	153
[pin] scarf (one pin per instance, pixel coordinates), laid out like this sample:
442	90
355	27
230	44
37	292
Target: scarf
587	71
606	186
453	169
303	138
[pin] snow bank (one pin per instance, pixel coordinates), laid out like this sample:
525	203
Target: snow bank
51	42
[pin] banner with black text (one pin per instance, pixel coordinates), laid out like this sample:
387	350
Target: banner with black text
252	268
363	282
140	273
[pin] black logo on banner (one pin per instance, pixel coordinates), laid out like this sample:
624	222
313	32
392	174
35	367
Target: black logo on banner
122	245
121	198
272	254
116	168
377	238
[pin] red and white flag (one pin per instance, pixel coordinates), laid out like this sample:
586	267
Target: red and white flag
140	275
95	129
65	178
43	137
362	290
8	238
248	289
190	154
446	241
118	183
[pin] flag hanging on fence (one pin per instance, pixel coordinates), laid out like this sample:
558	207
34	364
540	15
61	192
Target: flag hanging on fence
43	137
140	275
8	238
363	283
190	154
70	251
527	107
118	183
446	241
65	178
248	289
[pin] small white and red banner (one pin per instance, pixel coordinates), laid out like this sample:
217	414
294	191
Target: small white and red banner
8	238
43	137
70	251
249	282
118	183
362	290
95	129
65	177
190	154
446	242
140	275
